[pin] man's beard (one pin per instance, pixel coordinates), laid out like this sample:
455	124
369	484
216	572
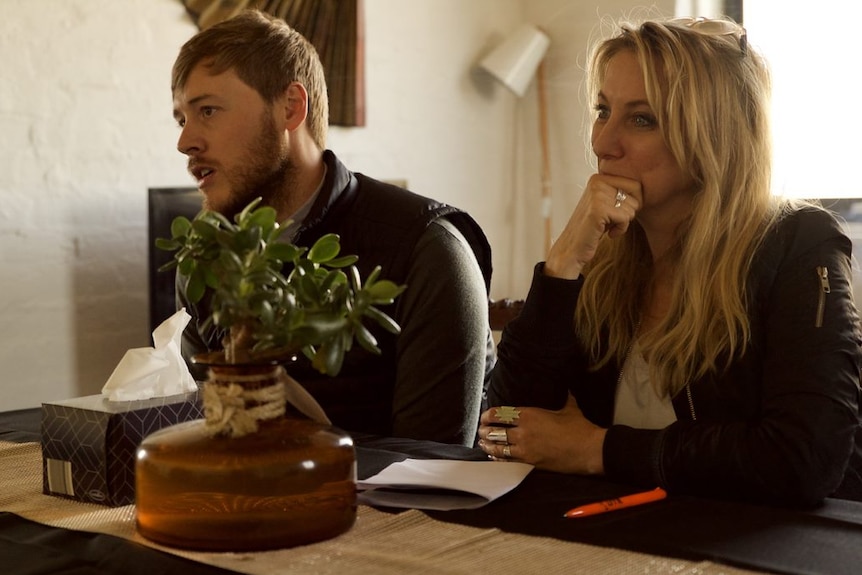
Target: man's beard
266	171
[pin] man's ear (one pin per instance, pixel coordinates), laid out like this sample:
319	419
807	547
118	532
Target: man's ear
294	106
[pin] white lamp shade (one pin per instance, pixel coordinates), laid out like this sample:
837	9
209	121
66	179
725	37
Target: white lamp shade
514	62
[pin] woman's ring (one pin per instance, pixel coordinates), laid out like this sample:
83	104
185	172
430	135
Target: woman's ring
620	198
507	451
506	414
498	436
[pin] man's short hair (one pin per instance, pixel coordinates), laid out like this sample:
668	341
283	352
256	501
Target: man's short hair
267	54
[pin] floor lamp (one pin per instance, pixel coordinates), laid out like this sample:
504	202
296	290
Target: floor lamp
514	63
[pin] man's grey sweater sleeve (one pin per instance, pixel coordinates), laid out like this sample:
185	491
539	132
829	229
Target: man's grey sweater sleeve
442	348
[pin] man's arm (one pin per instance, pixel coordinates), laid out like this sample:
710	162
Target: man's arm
442	348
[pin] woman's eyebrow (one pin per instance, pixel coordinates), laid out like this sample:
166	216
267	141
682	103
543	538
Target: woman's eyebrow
632	104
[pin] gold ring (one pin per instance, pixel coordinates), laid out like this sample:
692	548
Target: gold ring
507	451
507	414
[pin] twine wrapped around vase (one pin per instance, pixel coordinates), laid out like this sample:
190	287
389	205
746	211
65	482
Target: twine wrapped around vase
235	404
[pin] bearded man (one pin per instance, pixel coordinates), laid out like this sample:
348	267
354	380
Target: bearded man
250	98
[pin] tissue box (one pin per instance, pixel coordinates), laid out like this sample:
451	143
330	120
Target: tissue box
89	443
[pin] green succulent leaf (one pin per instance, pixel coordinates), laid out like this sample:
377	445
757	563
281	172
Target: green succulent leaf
196	288
333	279
373	276
230	260
275	235
366	339
321	328
167	266
204	229
308	288
355	280
383	320
267	315
245	240
304	267
220	220
342	262
263	218
282	252
186	266
168	245
210	277
248	209
384	291
324	249
330	356
180	227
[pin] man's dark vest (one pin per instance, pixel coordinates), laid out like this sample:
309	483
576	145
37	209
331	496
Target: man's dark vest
381	224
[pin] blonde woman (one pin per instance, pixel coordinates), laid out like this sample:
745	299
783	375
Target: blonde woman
688	330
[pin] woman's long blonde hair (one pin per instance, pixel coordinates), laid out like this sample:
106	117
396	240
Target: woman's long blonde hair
710	93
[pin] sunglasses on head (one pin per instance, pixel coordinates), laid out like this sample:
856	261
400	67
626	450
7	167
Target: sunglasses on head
712	27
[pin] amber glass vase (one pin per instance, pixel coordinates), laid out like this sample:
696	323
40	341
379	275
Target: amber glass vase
290	482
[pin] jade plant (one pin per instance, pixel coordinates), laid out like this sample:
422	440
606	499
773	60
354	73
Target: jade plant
272	298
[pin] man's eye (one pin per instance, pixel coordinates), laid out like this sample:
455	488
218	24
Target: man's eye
181	122
207	111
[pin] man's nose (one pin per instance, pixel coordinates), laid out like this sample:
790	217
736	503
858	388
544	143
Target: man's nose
189	142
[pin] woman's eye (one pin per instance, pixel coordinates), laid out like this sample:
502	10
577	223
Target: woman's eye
643	120
602	111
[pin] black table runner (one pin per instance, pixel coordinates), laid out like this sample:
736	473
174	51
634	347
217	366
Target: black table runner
825	540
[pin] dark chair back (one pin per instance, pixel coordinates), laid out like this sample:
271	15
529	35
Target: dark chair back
502	311
164	205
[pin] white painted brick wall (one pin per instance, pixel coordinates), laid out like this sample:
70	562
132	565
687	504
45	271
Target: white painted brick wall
86	124
85	118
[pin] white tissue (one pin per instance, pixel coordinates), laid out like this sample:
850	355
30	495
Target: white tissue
159	371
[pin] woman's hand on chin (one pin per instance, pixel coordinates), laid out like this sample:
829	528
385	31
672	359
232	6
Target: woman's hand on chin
607	206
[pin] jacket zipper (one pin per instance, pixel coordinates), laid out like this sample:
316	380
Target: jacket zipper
628	353
690	402
823	276
625	361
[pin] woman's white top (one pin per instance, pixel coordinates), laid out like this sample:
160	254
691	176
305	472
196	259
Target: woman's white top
637	403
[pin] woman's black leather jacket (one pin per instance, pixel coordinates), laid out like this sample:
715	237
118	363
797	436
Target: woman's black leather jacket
781	425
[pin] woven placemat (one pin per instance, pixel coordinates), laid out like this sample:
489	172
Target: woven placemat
380	543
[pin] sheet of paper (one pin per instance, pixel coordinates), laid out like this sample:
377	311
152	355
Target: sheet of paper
441	484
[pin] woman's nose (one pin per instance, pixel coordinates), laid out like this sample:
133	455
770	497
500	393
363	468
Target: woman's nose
605	140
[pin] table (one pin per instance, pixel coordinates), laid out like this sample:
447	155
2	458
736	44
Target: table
522	532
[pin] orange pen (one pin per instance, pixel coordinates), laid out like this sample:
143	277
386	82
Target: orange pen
656	494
